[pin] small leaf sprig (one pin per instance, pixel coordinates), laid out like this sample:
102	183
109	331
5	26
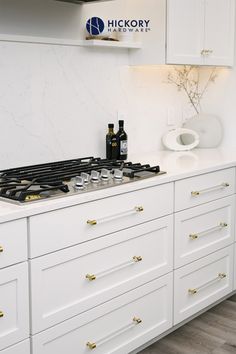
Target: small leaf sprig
188	79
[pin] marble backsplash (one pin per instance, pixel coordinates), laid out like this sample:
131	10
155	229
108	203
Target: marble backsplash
56	101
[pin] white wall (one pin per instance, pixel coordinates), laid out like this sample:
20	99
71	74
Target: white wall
56	101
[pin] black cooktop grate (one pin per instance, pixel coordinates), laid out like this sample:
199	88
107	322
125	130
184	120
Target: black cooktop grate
30	182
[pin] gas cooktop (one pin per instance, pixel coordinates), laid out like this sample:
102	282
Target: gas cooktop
57	179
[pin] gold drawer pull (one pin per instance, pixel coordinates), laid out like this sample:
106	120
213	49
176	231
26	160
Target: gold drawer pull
92	222
135	259
220	276
137	320
210	189
90	277
137	209
1	314
195	236
1	249
93	345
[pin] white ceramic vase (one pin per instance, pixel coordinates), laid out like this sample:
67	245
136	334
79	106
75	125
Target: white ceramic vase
209	129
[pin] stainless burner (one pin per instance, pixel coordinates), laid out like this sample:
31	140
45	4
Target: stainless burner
64	178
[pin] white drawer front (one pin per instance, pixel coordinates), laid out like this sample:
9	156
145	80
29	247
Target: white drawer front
20	348
66	227
13	242
14	305
201	189
110	267
111	326
204	229
203	282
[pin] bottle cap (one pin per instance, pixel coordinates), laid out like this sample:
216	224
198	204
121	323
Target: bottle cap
121	123
110	125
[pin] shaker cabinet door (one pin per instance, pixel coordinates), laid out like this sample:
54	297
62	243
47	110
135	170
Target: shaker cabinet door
219	32
185	31
14	305
200	32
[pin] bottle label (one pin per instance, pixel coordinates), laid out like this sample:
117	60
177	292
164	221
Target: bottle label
123	147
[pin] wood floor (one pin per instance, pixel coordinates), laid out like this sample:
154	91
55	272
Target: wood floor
214	332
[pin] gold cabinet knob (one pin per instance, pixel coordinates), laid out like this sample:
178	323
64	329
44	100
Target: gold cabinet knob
90	277
92	222
1	249
91	345
1	314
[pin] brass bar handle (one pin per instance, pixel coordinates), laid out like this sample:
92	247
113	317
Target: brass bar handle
220	276
195	236
136	209
135	259
90	277
137	320
1	314
207	190
92	222
1	249
93	345
139	209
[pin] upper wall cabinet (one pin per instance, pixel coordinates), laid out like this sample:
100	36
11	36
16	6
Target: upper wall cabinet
200	32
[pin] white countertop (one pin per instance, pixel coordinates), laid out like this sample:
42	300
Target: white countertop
178	165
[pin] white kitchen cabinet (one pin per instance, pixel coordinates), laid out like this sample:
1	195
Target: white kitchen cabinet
200	32
13	242
115	327
204	229
185	31
205	188
70	226
79	278
20	348
201	283
219	32
14	305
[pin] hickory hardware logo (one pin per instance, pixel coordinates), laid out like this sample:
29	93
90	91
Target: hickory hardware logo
96	26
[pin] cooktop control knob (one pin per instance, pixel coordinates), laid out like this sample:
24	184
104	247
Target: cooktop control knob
105	174
79	182
118	175
95	176
86	177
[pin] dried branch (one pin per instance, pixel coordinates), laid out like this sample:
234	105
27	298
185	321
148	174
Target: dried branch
188	79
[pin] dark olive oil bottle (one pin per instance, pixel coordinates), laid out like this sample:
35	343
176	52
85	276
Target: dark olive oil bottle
122	140
111	143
